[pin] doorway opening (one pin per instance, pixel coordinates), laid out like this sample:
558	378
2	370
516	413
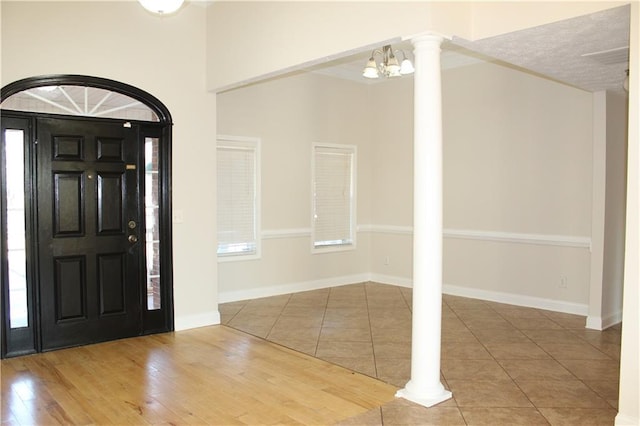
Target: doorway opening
85	207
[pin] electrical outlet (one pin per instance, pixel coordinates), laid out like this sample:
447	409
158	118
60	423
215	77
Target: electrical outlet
563	281
386	261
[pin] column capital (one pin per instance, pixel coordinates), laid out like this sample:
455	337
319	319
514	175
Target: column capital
430	36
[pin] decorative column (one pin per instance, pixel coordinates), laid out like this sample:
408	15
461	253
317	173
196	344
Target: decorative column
425	387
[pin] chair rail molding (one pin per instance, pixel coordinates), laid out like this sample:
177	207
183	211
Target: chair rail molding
495	236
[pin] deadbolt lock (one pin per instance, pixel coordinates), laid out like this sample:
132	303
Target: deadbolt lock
132	224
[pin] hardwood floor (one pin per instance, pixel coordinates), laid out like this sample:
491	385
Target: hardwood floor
211	375
506	365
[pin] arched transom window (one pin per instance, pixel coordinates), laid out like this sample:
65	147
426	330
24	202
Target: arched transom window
79	101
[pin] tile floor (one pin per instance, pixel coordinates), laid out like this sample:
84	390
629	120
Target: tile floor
505	365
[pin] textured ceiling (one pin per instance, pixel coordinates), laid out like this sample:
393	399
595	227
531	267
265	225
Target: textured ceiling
556	51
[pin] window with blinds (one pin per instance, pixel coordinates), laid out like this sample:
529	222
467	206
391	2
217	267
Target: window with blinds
334	218
238	197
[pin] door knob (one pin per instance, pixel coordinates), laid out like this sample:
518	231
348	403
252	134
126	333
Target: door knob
133	239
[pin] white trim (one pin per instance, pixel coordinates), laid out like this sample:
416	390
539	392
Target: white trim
507	237
453	290
594	323
255	293
391	280
232	138
387	229
611	320
625	420
204	319
240	257
517	299
600	323
496	296
495	236
511	237
272	234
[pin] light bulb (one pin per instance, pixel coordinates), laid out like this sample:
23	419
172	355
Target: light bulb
371	70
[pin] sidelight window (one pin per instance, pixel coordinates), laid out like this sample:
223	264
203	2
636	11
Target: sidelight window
15	221
152	220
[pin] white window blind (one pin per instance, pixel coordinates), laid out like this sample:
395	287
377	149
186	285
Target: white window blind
333	195
238	197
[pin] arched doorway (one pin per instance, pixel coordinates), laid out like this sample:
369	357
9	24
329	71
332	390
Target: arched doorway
86	213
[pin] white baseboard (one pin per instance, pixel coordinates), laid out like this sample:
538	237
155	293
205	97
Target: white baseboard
594	323
256	293
473	293
600	323
391	280
517	299
611	320
497	296
624	420
197	320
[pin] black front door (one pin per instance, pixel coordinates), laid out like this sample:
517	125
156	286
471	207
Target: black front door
88	225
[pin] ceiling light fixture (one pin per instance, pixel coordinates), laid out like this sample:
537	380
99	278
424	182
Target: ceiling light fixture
389	66
161	7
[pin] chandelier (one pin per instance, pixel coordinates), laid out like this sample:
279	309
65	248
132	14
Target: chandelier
388	65
161	7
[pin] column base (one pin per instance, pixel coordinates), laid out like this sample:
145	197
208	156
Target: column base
425	398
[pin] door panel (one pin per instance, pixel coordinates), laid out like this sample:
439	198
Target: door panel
111	194
88	190
70	288
68	204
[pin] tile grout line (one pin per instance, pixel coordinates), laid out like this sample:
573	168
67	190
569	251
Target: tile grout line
373	347
506	372
266	337
324	315
236	314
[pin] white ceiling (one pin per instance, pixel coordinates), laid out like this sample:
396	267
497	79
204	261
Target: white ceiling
588	52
